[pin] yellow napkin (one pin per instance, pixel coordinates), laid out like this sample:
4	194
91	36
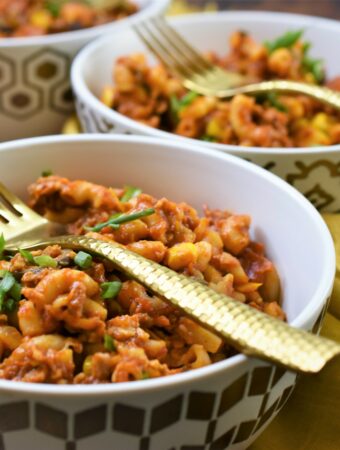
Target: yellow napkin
311	418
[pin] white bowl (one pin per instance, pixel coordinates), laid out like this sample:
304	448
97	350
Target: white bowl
313	171
225	405
35	93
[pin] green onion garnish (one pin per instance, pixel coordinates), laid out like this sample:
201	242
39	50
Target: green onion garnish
10	305
314	66
145	375
109	343
111	289
207	138
187	99
15	291
45	261
177	104
2	245
53	7
46	173
6	285
285	41
130	192
7	282
27	255
83	260
118	219
41	260
274	101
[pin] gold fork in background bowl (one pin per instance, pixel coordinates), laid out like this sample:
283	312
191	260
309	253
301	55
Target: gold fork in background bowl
200	75
248	330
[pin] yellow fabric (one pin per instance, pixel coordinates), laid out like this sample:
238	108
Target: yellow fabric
311	418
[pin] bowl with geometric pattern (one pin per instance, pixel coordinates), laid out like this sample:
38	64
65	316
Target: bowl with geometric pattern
224	405
312	167
35	92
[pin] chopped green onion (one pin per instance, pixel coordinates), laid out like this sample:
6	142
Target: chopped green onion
15	291
27	255
118	219
10	305
45	261
41	260
2	245
53	7
111	289
83	260
285	41
130	192
316	67
145	375
7	282
207	138
176	104
188	99
273	99
306	47
6	285
2	298
174	108
46	173
9	286
109	343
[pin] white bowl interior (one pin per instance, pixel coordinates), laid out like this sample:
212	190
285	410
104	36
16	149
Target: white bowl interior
205	32
295	236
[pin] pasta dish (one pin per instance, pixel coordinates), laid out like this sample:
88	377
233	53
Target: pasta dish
68	317
150	95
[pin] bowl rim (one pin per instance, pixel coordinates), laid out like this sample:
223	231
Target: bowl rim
317	301
84	93
150	9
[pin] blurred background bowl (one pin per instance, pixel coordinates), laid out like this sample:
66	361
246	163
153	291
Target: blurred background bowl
35	92
315	171
224	405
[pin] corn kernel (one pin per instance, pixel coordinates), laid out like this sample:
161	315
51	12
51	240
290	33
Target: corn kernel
181	255
214	129
41	18
87	365
322	122
108	96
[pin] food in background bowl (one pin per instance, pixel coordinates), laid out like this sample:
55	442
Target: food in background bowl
313	170
19	18
35	57
75	319
151	95
237	393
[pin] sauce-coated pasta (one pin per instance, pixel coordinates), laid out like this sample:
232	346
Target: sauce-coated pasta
68	317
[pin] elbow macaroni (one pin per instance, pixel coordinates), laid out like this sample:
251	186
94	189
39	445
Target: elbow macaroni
68	329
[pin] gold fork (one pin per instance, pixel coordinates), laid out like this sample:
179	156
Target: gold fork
250	331
200	75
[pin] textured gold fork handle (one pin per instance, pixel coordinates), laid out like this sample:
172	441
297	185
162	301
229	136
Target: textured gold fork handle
320	93
250	331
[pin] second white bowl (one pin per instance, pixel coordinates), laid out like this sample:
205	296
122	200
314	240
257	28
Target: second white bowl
313	171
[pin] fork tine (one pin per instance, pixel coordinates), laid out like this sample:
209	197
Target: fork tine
156	47
159	45
192	57
13	207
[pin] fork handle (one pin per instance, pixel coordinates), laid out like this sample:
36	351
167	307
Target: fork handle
250	331
320	93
